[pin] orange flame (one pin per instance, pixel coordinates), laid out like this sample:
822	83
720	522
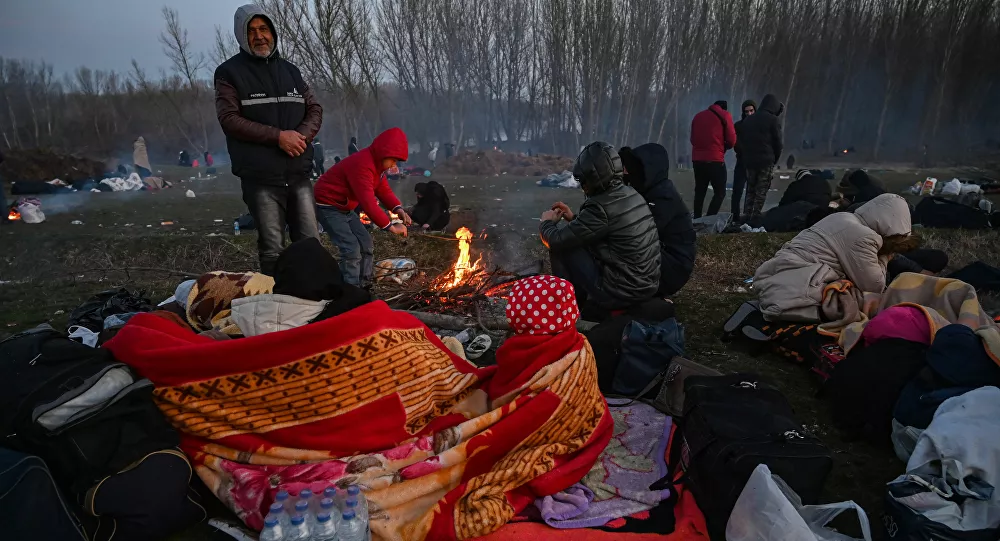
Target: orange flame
13	215
463	267
366	220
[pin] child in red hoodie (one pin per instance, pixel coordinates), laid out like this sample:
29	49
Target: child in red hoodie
360	178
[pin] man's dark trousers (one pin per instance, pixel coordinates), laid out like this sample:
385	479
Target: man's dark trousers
273	206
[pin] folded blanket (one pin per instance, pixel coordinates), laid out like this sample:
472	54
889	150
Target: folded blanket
371	397
209	303
943	301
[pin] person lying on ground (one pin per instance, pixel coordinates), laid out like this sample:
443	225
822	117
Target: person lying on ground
843	246
858	188
357	180
431	210
647	170
807	187
268	139
760	147
609	250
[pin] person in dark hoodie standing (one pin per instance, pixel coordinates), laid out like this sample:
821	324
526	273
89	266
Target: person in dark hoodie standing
353	147
712	134
269	116
740	171
647	169
760	149
3	199
609	250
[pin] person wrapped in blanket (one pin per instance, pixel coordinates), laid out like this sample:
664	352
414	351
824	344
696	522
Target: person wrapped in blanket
848	251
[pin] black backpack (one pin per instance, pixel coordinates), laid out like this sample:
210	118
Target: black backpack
730	425
31	506
85	414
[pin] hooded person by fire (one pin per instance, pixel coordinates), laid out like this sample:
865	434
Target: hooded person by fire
610	249
360	179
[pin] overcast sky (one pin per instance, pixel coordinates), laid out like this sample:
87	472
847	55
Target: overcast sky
105	34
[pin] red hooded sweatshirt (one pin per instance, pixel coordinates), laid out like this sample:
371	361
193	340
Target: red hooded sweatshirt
359	178
712	134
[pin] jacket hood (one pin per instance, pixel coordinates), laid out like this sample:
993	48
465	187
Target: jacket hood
747	103
771	104
647	166
244	14
598	168
391	143
887	215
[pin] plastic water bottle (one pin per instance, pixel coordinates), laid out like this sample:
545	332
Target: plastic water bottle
326	505
331	492
272	530
298	531
277	510
282	498
236	228
354	491
302	508
351	528
324	529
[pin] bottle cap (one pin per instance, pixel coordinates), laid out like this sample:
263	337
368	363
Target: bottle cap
277	508
301	506
330	492
281	496
298	519
354	490
326	503
348	515
306	494
270	521
351	502
323	517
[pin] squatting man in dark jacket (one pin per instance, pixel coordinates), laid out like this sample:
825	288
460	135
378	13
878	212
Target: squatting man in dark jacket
270	117
609	250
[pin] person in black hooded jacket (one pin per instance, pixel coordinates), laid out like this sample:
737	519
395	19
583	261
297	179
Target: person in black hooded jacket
740	171
432	208
609	250
647	170
761	145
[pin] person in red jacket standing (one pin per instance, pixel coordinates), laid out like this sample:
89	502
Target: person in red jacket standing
712	134
360	179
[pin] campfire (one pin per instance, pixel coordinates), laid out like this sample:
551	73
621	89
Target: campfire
458	289
13	215
367	221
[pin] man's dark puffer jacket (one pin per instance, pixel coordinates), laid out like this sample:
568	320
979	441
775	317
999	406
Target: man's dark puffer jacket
615	226
759	138
648	169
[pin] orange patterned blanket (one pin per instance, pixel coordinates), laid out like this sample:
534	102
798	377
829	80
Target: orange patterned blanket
444	450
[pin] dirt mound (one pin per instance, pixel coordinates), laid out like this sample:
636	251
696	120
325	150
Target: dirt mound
44	164
495	162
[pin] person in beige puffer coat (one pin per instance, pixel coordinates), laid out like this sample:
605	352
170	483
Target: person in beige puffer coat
855	247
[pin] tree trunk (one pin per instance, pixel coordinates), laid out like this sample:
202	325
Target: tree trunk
881	119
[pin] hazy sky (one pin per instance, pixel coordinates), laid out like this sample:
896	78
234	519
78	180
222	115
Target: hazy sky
105	34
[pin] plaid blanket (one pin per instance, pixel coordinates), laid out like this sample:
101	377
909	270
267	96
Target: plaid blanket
944	301
444	450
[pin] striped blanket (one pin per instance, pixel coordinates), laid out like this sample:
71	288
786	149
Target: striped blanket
371	397
944	301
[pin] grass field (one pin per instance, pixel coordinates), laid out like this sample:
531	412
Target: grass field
47	270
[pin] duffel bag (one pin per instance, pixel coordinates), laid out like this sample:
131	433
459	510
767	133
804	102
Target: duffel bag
733	423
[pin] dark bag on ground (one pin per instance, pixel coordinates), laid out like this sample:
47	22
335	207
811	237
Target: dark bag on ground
733	423
606	338
943	213
670	397
789	217
983	277
865	386
31	506
91	314
646	351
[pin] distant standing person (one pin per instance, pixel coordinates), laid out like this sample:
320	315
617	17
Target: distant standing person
790	162
740	171
269	116
209	160
353	147
712	134
761	146
3	199
432	156
359	181
318	159
140	158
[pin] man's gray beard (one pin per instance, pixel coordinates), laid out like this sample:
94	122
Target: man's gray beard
265	55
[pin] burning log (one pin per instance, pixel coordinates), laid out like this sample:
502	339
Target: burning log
12	214
367	221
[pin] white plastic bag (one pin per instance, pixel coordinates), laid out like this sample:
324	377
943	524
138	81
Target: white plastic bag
768	509
31	210
952	187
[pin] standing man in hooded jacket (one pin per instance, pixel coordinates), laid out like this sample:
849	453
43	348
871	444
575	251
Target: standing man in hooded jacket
609	250
353	147
740	171
270	117
712	134
760	149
